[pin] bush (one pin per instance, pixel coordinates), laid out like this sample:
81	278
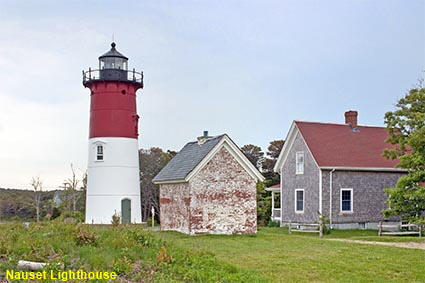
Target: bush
325	221
122	266
85	236
273	223
77	215
116	219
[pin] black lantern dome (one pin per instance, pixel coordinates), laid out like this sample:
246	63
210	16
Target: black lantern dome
113	59
113	66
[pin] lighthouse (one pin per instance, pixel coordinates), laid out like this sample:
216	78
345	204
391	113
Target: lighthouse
113	164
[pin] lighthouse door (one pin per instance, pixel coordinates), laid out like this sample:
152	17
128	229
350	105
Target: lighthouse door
126	211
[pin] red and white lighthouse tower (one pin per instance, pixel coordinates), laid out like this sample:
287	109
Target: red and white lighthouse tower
113	166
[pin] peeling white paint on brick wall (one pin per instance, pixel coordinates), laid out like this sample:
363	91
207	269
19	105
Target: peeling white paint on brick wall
220	199
174	203
223	198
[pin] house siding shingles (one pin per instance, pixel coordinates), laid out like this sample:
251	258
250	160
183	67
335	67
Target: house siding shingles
368	194
223	198
309	181
174	201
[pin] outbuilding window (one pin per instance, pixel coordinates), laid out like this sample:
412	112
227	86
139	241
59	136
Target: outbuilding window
299	169
299	200
346	200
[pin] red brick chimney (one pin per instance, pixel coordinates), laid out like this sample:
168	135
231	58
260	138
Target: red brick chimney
351	118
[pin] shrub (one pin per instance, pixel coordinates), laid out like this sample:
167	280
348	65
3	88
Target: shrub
163	256
273	223
85	236
122	265
116	219
144	238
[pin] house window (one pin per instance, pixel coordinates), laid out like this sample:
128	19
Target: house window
299	200
299	163
346	200
99	153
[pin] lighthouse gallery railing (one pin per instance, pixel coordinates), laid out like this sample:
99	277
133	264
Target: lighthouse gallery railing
96	75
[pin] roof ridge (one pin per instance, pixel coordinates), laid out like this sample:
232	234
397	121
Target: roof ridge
337	124
210	138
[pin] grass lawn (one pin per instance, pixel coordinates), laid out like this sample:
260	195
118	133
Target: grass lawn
280	257
272	255
134	254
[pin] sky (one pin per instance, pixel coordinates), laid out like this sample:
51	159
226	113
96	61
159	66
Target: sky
245	68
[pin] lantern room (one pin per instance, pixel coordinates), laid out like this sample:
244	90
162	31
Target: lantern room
113	66
113	60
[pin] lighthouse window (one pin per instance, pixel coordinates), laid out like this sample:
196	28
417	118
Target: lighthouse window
99	153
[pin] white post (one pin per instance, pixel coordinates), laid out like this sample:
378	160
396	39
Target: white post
272	205
153	216
330	198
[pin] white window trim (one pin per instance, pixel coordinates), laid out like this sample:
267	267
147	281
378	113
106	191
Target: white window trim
351	202
296	163
295	203
96	144
96	157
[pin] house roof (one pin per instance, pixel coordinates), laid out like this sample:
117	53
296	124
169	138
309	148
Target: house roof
338	145
274	188
193	156
186	160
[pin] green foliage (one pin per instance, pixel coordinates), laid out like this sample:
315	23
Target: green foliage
145	238
149	221
302	258
406	127
137	255
254	154
151	161
116	220
122	265
85	236
17	205
264	204
269	162
272	223
325	221
77	215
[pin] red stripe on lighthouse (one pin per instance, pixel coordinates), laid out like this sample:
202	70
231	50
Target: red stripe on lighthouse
113	110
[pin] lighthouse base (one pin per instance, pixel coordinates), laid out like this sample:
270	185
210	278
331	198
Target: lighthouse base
102	209
113	186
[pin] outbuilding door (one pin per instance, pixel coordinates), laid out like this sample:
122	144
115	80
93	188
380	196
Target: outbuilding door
126	211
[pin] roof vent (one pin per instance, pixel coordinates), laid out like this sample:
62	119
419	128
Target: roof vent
202	139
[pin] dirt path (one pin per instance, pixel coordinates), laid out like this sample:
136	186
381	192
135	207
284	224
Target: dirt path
407	245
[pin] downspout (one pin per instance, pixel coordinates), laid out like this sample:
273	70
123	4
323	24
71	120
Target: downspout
330	198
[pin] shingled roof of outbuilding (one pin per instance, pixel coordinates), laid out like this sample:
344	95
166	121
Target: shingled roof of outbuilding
186	160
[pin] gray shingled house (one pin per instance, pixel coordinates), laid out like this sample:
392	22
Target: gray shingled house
336	170
209	187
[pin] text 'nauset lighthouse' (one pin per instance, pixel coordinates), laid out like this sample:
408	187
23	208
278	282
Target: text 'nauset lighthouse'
113	165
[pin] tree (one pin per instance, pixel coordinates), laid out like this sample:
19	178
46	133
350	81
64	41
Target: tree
406	126
151	161
254	154
72	190
264	204
37	186
274	148
269	162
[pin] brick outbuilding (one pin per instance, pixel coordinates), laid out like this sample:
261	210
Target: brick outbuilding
209	187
